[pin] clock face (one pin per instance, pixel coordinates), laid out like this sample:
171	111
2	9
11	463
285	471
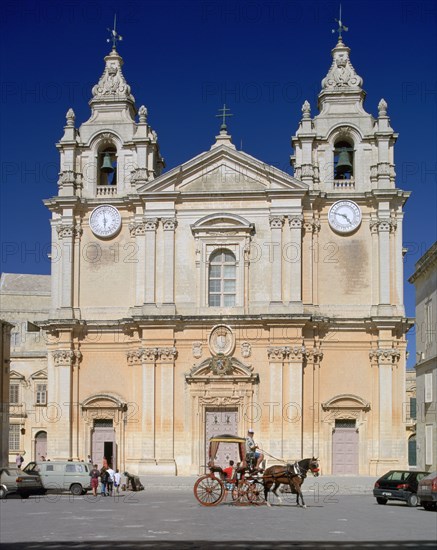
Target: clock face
344	216
105	221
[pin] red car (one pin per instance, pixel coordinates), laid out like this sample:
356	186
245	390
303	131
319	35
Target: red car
427	491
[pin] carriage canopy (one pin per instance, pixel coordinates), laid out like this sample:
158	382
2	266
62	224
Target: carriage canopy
215	441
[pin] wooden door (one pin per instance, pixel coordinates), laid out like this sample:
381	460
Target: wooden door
40	446
345	451
103	444
219	422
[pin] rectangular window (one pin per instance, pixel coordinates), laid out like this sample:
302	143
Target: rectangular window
428	444
412	408
41	394
428	387
14	437
14	394
428	324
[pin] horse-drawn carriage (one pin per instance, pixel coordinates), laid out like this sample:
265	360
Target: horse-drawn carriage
247	485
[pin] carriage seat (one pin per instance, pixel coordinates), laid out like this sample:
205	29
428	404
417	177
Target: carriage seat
217	469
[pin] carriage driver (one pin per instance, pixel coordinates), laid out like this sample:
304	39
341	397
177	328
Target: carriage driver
251	448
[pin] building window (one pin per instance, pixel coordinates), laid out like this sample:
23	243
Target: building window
428	444
429	330
222	279
14	394
428	387
343	161
412	411
41	394
14	437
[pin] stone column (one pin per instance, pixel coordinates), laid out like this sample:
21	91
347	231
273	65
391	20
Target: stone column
375	262
397	228
165	423
295	223
169	226
276	223
384	261
293	401
151	225
137	231
76	267
55	261
276	356
66	235
59	407
145	359
385	358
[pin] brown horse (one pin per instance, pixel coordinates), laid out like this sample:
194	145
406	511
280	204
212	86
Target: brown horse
290	474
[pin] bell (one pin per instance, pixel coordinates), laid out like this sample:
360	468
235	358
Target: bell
107	164
343	164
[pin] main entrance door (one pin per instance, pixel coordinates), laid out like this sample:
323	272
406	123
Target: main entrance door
345	448
103	443
218	422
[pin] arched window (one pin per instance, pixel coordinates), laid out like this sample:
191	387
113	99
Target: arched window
222	279
343	160
107	166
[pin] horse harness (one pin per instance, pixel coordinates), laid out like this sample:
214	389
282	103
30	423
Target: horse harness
291	470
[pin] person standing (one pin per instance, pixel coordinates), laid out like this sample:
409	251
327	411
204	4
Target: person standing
110	484
95	474
117	480
19	461
104	476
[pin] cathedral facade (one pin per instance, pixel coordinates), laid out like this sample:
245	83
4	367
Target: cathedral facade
226	294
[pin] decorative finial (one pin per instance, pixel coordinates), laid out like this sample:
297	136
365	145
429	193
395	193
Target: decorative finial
382	108
223	115
341	27
306	109
142	112
115	37
71	117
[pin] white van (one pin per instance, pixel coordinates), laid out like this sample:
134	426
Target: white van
63	475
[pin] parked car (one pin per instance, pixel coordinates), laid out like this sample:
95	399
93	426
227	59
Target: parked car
427	491
13	480
62	475
398	485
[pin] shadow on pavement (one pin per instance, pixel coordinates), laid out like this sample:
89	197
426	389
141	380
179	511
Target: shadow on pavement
224	545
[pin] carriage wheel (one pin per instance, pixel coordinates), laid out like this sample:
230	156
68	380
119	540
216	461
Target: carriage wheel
240	492
255	493
209	490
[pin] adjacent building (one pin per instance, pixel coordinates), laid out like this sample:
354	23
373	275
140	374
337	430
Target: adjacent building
226	294
425	282
5	341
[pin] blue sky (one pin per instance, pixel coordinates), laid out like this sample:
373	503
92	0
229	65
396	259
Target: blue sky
183	60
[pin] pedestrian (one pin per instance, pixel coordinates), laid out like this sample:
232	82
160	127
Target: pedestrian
104	476
110	484
19	461
43	458
90	459
95	474
117	480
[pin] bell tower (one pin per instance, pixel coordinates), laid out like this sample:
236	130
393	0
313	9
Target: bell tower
344	148
110	154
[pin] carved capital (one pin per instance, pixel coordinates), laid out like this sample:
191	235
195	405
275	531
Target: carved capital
380	225
66	231
383	356
167	354
169	224
295	222
136	229
276	222
151	224
66	357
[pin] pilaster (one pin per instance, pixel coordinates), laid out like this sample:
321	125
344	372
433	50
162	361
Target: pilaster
276	223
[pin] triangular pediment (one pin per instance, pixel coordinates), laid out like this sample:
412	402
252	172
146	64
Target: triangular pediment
223	170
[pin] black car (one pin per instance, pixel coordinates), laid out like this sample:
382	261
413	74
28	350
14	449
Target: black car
427	491
398	485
